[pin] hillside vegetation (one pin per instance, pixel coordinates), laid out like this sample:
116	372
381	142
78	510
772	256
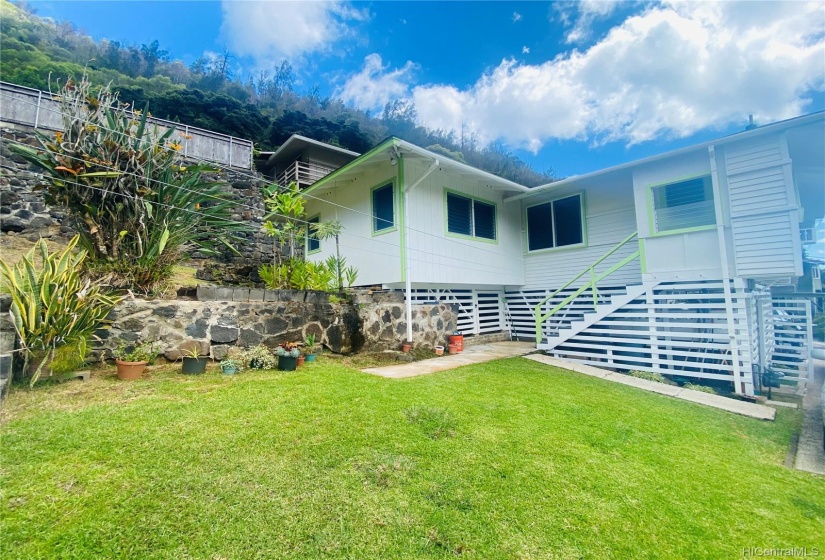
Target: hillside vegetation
266	109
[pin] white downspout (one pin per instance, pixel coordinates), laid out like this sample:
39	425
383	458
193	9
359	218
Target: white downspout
408	271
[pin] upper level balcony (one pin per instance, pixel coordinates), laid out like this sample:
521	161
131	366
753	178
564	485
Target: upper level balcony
304	174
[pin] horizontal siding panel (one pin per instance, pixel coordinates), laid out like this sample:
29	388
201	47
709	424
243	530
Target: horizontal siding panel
553	269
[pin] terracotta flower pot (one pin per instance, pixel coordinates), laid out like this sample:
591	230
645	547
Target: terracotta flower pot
439	350
301	360
406	347
453	349
129	371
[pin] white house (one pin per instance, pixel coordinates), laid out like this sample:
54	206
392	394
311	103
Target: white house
671	264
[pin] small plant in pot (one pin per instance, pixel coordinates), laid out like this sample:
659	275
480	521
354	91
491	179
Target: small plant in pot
257	357
131	359
309	348
193	362
287	356
229	366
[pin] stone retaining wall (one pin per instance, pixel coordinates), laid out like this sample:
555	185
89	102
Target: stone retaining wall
218	325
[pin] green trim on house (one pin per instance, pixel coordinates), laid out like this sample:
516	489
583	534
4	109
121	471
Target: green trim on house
306	237
642	255
651	225
395	206
402	233
448	233
525	231
357	161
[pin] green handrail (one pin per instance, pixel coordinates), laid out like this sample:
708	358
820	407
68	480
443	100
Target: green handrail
594	279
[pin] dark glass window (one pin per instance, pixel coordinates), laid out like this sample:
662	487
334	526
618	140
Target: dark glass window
383	208
313	243
555	224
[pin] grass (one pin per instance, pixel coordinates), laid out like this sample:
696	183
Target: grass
507	459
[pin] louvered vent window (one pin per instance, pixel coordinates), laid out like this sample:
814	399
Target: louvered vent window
471	217
684	205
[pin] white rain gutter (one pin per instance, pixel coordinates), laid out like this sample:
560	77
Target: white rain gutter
408	272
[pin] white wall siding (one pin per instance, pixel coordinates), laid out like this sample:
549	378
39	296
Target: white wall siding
377	257
438	258
763	213
609	218
689	255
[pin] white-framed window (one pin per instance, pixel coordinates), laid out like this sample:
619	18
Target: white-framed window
558	223
470	216
683	205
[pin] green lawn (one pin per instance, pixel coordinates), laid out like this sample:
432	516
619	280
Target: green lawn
508	459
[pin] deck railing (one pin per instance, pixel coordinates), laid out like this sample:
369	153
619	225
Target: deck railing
304	174
35	108
589	285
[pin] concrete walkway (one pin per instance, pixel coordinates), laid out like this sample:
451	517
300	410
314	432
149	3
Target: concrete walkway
810	456
471	355
752	410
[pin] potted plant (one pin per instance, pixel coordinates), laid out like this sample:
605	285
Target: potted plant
229	366
287	356
309	346
132	360
193	362
301	359
257	357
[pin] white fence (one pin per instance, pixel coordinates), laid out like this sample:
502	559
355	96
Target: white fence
35	108
479	311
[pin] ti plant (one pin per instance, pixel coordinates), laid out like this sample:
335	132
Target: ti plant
55	311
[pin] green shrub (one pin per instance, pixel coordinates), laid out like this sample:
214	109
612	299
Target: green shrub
702	388
257	357
819	327
55	311
139	352
650	376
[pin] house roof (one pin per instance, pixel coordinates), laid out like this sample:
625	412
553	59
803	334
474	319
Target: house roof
768	128
393	147
296	144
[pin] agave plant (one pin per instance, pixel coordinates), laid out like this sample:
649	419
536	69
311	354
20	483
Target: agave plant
55	311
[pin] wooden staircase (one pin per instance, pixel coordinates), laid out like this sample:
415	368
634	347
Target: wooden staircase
569	325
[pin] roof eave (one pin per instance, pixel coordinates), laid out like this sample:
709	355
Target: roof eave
773	127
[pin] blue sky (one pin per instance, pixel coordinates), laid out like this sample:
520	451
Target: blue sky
569	86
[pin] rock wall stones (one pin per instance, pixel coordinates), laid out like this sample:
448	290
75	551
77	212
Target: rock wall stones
22	208
220	325
24	211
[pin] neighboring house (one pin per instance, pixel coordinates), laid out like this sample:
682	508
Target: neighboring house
667	264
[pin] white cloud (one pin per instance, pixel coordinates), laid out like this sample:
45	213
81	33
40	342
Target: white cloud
374	86
525	50
271	31
588	12
516	17
669	71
